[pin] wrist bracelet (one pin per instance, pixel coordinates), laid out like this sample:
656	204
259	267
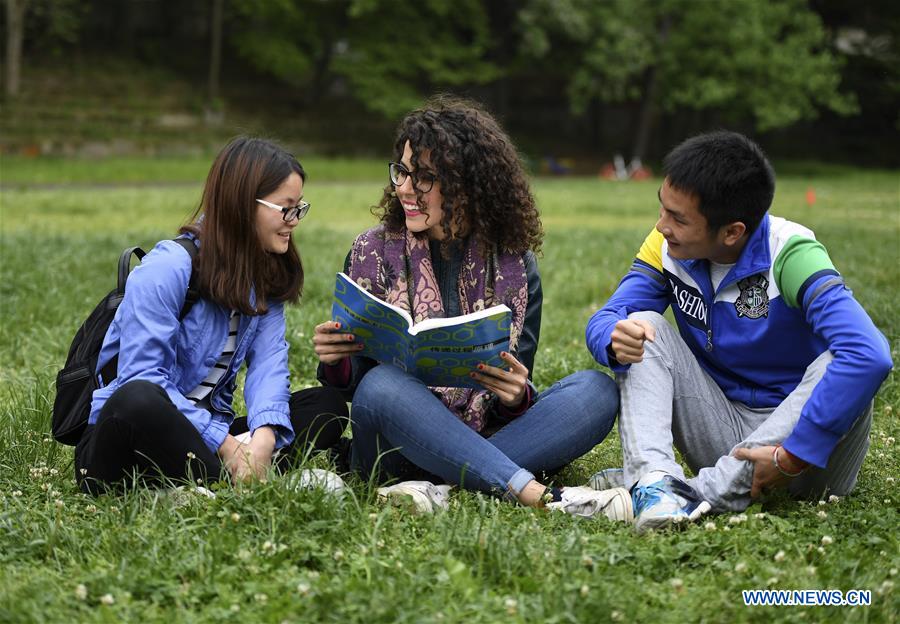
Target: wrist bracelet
782	470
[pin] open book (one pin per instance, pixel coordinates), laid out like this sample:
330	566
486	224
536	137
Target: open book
439	351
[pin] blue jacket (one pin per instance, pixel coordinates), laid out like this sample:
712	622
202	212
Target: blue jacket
780	306
154	346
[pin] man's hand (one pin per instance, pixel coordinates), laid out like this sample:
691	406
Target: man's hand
331	346
765	475
509	386
628	338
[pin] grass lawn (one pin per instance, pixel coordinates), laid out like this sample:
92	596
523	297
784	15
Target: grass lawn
272	555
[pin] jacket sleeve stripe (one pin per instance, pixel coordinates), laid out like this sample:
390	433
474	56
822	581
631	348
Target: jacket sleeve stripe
642	267
809	281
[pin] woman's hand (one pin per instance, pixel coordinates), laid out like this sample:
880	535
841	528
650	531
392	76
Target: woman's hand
331	346
509	386
247	462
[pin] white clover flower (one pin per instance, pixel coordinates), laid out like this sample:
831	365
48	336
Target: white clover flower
338	555
737	519
893	572
834	499
761	515
710	526
772	581
885	588
60	503
81	592
890	479
380	543
887	501
16	493
779	556
811	570
740	567
821	503
235	608
615	616
677	584
585	590
826	540
821	550
889	440
260	597
512	606
373	516
587	561
54	471
107	599
267	545
303	588
822	514
235	517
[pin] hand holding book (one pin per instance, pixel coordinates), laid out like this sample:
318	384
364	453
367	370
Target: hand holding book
331	346
439	351
508	385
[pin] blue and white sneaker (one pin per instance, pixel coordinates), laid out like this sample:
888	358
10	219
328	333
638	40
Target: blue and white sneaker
661	500
607	479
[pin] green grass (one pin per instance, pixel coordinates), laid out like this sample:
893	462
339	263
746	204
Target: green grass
271	555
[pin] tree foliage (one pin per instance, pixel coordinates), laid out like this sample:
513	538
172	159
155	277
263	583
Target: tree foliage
768	60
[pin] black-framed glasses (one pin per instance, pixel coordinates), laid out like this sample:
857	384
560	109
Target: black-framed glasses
289	213
423	180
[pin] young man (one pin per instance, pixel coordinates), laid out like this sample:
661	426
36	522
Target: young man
768	381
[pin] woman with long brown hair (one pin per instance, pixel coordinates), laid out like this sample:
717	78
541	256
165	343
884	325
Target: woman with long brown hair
167	415
459	228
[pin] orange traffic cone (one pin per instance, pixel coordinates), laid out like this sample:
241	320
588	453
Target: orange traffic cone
810	196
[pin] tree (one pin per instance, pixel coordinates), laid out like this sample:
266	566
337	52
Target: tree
388	54
740	58
15	35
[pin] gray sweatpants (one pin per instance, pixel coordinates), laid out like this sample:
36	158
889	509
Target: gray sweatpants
668	398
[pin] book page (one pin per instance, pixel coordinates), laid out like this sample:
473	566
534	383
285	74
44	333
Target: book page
445	354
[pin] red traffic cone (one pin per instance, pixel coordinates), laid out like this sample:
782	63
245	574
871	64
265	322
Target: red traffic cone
810	196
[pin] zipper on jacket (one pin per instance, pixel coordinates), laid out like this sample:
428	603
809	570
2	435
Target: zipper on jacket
709	344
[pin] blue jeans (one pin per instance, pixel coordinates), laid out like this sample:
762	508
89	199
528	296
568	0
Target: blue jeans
399	425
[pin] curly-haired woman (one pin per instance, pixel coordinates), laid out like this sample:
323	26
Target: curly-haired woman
459	228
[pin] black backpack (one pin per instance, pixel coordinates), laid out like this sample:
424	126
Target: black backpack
76	382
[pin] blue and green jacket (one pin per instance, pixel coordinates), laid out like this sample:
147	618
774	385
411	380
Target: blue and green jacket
781	305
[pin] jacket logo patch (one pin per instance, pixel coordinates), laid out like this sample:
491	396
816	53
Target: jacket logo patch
753	301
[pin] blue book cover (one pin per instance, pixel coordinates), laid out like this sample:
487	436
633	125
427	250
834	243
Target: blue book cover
439	351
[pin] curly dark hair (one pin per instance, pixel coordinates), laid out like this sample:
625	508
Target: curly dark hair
483	183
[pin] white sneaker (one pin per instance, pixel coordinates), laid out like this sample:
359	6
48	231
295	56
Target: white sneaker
425	496
661	500
587	502
607	479
311	478
181	495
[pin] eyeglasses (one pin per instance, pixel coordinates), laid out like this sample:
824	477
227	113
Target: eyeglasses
289	213
423	181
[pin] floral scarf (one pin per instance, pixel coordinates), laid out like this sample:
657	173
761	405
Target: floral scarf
396	267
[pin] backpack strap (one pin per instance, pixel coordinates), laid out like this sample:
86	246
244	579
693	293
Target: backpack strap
193	292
